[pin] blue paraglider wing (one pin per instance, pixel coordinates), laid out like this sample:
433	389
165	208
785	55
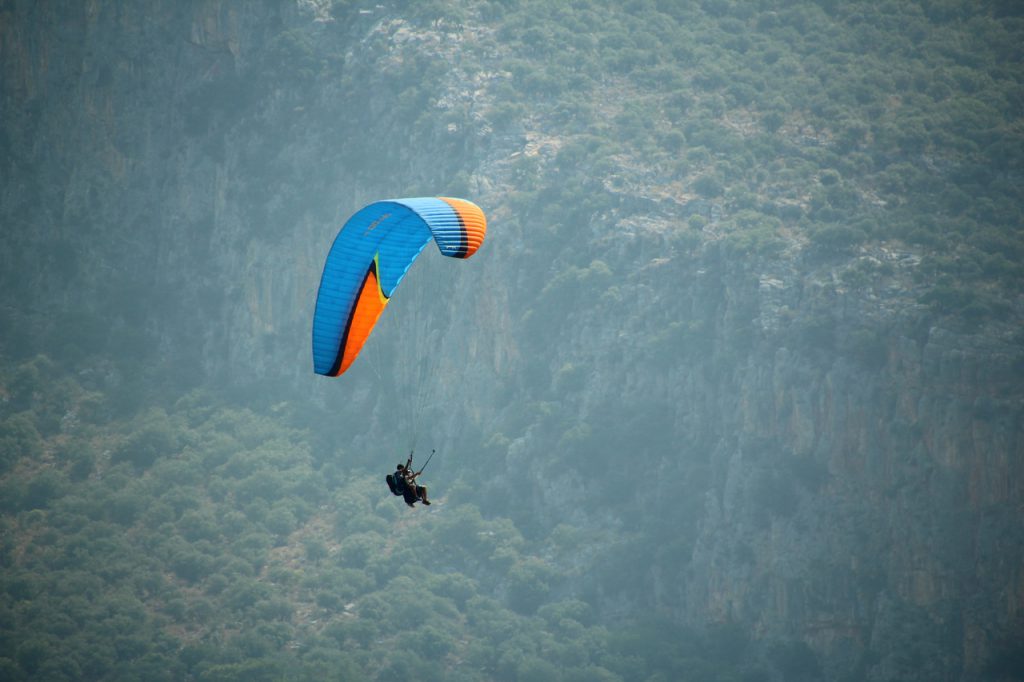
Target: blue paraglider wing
368	259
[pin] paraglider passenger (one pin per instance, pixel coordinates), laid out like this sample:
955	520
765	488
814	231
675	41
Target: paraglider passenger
416	492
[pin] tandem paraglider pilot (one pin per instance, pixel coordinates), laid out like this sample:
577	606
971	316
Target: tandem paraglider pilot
403	482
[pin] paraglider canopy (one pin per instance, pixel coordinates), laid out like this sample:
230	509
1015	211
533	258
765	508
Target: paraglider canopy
368	259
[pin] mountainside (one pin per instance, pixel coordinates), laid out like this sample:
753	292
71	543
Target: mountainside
742	354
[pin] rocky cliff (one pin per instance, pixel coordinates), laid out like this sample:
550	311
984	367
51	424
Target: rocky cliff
781	436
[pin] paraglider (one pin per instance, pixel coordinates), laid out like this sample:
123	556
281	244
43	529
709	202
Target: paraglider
403	482
368	259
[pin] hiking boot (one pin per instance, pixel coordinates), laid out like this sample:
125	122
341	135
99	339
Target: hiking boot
426	502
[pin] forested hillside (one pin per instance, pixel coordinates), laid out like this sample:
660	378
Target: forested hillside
734	389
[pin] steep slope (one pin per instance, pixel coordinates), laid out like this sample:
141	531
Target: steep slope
747	319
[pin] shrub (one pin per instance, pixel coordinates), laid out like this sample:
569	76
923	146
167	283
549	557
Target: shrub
18	439
144	447
838	237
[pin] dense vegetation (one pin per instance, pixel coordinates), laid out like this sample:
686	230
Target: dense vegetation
200	540
838	124
156	528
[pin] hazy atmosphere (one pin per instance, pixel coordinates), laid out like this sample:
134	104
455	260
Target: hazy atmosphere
732	390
